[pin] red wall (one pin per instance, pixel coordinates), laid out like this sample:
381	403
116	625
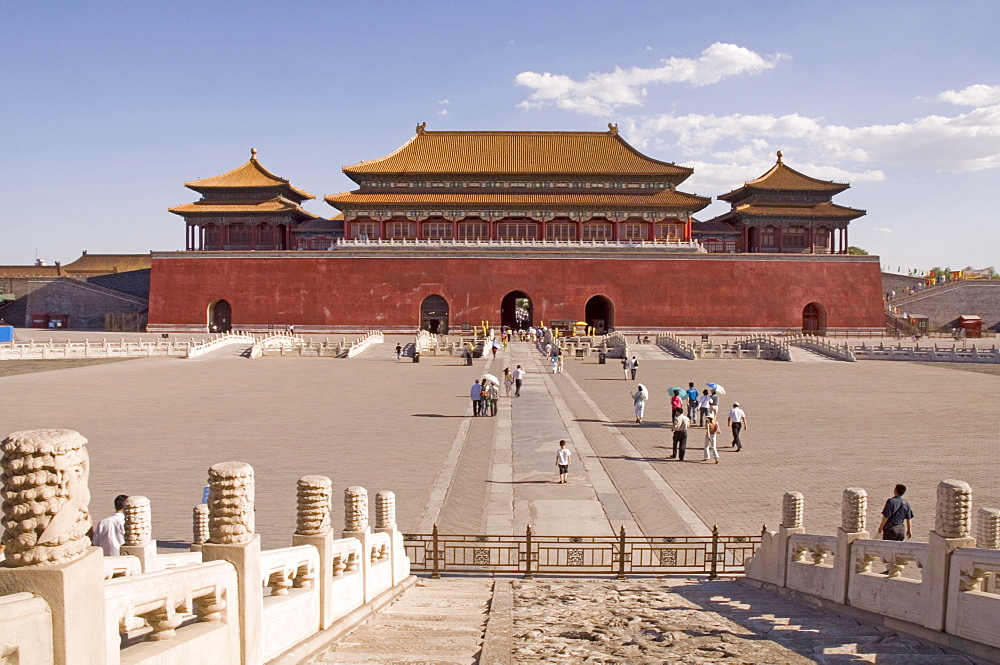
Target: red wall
679	291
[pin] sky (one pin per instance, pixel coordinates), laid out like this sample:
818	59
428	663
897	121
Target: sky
109	107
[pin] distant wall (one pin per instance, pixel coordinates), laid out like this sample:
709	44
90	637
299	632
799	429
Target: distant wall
133	282
899	283
692	291
943	305
85	304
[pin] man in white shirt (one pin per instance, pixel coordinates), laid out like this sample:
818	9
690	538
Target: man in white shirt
562	461
518	375
681	424
109	534
737	421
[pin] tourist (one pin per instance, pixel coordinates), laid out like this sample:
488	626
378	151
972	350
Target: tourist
518	380
625	367
639	398
562	461
554	362
633	367
492	397
896	516
737	420
508	380
704	406
715	405
711	432
476	393
559	364
399	351
681	424
692	399
495	346
109	534
676	405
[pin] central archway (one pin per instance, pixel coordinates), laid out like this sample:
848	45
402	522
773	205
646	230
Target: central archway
220	317
516	310
600	314
814	319
434	315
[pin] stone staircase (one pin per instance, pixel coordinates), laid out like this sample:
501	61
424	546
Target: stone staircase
437	621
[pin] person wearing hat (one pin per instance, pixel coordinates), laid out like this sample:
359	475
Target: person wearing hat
737	420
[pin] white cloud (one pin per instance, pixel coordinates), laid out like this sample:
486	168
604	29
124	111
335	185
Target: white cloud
444	101
601	93
443	112
881	229
975	95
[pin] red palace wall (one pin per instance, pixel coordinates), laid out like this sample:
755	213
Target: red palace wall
345	291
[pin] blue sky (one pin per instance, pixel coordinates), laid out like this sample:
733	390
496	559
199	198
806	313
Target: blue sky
109	107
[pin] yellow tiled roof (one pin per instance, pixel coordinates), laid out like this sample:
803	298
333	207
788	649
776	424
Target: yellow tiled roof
663	198
251	174
518	153
223	207
825	209
782	177
94	264
21	272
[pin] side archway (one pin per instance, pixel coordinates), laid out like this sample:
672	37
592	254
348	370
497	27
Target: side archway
600	314
814	319
220	317
434	315
516	310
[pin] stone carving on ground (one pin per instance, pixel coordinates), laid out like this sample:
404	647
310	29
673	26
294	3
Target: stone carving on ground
313	495
45	497
230	503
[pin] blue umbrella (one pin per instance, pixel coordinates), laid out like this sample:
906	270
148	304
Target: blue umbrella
717	388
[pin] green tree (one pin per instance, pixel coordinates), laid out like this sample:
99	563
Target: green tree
857	251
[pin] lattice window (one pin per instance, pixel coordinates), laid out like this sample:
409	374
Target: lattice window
597	231
436	230
238	234
560	231
632	231
795	237
669	231
401	230
768	237
213	237
265	235
365	230
473	231
517	230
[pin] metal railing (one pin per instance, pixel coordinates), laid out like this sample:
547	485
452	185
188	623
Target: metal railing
530	554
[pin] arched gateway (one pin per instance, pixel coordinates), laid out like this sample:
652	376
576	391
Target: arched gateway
814	319
600	314
434	315
515	310
220	317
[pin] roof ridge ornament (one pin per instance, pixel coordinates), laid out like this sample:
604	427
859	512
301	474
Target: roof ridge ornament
421	127
613	129
253	154
779	157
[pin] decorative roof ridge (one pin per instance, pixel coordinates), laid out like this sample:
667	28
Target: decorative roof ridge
204	183
780	166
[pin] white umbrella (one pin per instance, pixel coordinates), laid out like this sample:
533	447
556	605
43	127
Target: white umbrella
492	379
645	393
717	388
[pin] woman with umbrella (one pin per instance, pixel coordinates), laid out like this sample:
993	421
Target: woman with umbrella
639	398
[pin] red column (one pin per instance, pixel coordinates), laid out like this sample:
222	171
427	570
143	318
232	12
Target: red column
812	240
780	230
847	245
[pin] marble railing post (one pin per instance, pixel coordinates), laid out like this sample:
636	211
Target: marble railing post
313	527
45	521
770	562
199	530
952	526
792	519
356	526
988	533
854	506
385	521
138	533
232	538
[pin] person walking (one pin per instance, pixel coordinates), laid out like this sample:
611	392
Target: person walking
554	363
737	420
399	351
625	367
692	402
633	367
714	403
562	461
109	534
559	364
493	396
711	433
704	406
518	375
639	398
896	516
508	380
676	405
681	424
476	393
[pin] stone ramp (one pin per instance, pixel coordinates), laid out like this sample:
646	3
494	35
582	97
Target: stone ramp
802	355
436	621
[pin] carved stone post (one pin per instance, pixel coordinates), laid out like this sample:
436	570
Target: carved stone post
45	521
988	534
356	526
385	521
952	527
138	533
199	532
853	515
232	538
313	527
769	563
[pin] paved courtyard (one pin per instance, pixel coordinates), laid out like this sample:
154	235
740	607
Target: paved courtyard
156	425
